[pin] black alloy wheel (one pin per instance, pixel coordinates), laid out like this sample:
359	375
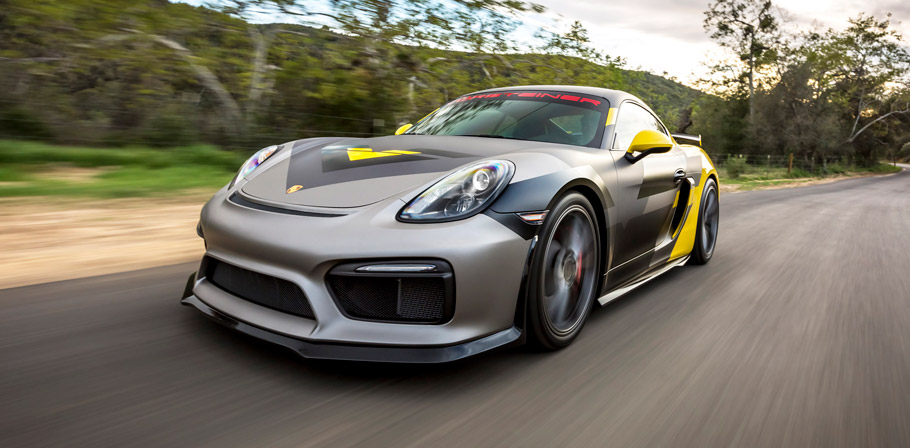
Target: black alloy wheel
708	223
564	273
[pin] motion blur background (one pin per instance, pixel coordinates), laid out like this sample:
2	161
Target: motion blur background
119	118
240	75
104	102
104	99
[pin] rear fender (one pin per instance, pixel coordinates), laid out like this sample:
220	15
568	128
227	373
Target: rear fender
686	240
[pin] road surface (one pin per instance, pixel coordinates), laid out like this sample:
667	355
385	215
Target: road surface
796	334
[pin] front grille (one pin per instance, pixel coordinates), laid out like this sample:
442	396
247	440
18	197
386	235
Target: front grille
420	298
260	289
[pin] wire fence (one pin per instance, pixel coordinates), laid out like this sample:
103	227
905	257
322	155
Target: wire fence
100	134
172	123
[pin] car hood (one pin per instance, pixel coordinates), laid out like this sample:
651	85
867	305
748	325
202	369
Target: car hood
354	172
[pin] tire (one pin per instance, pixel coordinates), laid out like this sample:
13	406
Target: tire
564	273
708	222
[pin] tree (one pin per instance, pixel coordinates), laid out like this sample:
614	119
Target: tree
380	27
833	95
571	42
904	152
867	56
747	27
794	118
721	123
859	68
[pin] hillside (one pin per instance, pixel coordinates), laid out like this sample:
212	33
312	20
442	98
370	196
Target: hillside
173	74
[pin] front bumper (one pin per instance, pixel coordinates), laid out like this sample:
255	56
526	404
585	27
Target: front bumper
488	259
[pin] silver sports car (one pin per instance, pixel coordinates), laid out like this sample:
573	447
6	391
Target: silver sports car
500	218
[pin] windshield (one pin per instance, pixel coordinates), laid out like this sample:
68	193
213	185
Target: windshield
552	117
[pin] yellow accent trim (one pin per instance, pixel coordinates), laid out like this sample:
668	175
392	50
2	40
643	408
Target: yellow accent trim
611	116
294	188
404	128
686	240
355	154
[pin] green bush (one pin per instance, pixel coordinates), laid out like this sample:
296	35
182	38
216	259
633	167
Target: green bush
883	168
20	123
170	130
904	153
736	166
799	173
836	168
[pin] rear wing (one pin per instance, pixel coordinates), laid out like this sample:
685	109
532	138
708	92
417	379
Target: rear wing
688	137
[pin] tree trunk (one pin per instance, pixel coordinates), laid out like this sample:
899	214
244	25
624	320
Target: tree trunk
260	56
231	109
751	88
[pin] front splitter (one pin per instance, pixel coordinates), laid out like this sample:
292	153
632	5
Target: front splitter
370	353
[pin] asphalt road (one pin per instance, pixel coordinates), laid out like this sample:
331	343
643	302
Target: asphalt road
796	334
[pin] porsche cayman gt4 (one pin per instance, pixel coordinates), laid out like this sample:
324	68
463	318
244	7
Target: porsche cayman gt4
500	218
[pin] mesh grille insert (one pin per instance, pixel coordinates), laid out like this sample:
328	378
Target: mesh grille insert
405	299
260	289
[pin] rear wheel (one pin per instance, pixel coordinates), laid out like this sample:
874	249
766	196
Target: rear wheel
708	220
564	273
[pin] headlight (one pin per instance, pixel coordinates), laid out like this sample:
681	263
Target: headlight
461	194
253	162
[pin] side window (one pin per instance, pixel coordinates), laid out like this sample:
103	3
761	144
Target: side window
632	120
651	122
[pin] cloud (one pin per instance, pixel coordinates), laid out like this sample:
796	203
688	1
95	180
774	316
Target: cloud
680	19
668	35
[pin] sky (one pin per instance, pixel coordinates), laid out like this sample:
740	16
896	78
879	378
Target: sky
668	36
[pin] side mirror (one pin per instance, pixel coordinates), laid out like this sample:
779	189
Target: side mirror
648	142
403	129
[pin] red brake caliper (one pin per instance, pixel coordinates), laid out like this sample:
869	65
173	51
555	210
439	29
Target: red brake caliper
578	271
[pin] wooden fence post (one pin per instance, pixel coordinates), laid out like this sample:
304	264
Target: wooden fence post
790	164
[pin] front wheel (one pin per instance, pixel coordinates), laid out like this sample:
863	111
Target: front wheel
708	220
564	273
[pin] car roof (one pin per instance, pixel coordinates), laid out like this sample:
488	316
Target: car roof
615	97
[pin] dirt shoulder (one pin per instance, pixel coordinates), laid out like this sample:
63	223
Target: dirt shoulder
45	239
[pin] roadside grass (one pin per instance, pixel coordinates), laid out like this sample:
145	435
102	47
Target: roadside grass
752	178
884	168
37	169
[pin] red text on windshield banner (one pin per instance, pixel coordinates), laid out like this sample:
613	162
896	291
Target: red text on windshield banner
555	96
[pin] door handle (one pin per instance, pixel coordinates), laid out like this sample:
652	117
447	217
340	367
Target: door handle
679	175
